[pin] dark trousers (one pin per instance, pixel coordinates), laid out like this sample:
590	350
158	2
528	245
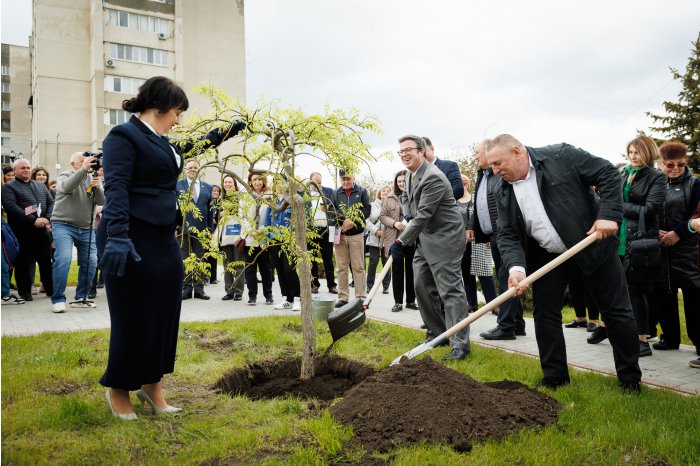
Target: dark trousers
488	284
258	259
640	297
607	285
668	314
326	250
234	264
286	273
213	266
374	254
510	314
191	245
402	267
34	247
581	298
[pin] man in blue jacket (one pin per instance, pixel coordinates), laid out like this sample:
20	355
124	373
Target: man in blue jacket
448	167
351	207
546	205
199	193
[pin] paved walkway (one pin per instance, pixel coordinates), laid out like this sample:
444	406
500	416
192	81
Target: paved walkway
667	369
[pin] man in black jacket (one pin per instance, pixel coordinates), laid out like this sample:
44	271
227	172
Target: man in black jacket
351	207
482	229
29	205
546	205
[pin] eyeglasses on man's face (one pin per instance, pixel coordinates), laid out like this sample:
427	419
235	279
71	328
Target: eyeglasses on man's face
672	165
407	150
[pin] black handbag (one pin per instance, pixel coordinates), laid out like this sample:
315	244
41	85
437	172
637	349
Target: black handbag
644	256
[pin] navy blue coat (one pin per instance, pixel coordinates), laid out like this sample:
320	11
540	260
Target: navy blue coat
451	171
141	175
206	218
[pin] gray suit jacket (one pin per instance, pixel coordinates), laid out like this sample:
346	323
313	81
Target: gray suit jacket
436	222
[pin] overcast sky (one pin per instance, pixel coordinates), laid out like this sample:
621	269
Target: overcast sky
578	71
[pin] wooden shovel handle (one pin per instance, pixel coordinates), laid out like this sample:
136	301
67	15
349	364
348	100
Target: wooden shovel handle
378	281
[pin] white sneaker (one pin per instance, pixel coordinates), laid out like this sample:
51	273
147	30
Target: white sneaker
59	307
12	299
283	306
83	304
297	304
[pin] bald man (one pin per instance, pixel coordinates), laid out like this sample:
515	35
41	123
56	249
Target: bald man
77	192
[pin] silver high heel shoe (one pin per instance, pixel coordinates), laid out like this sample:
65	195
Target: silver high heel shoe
126	417
143	396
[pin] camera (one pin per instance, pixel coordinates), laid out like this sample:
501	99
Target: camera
97	164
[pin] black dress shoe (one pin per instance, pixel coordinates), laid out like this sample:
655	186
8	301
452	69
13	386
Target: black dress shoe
498	334
413	306
385	291
27	297
630	386
553	382
664	345
644	349
576	324
252	301
340	303
269	300
314	289
92	295
591	326
227	297
597	335
201	295
333	290
456	354
237	297
520	332
186	296
396	308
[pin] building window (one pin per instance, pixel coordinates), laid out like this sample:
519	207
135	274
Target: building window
6	124
5	70
5	141
123	85
136	21
138	54
5	105
5	87
116	117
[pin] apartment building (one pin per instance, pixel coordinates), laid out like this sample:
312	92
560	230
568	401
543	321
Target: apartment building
16	119
87	56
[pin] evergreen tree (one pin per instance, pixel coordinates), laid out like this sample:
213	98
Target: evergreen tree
682	120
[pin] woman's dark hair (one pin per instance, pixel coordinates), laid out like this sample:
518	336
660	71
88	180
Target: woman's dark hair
673	150
7	169
398	191
160	93
41	169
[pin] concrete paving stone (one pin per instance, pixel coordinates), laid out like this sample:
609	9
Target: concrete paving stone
664	368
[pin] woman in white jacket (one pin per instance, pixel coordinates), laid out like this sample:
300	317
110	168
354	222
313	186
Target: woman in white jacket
257	258
375	229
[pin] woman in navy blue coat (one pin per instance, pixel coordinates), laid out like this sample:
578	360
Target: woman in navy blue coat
140	255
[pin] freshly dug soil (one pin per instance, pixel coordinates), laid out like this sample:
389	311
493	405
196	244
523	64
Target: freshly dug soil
420	399
334	376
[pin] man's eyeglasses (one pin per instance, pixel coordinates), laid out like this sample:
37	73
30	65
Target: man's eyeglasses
672	165
406	150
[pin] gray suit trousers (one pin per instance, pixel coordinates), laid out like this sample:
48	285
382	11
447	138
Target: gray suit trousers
442	280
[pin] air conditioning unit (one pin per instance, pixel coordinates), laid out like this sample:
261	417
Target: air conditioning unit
162	36
109	63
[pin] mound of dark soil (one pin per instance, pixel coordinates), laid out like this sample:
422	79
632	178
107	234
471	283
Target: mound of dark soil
423	400
334	376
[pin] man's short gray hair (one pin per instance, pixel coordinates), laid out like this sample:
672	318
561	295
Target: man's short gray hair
503	140
420	142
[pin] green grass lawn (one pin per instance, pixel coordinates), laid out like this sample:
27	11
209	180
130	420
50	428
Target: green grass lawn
54	412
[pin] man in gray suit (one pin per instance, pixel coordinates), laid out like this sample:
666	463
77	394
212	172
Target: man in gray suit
437	230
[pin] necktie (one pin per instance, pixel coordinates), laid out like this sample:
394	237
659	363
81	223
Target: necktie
195	194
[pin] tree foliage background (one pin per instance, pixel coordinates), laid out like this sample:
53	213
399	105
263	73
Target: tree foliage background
682	120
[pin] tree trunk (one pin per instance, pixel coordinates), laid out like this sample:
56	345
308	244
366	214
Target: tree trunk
308	346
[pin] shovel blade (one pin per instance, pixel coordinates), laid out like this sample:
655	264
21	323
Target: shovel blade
345	319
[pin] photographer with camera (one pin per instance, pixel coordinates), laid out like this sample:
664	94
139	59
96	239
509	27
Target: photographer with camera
78	191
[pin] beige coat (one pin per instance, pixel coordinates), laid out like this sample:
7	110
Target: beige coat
390	214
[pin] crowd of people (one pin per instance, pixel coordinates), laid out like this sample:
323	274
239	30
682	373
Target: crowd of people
528	206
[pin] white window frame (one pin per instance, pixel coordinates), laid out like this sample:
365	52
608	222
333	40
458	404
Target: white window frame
122	84
5	70
137	54
125	19
116	116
